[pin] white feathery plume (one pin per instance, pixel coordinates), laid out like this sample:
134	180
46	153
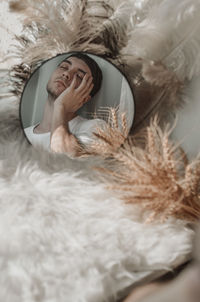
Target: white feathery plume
49	27
64	25
140	9
170	33
104	28
184	55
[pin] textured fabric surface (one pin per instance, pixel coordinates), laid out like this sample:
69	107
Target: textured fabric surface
82	128
63	235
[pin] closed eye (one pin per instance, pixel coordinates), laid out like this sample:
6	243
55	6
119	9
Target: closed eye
64	66
80	77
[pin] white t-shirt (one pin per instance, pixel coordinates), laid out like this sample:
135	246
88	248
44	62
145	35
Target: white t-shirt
80	127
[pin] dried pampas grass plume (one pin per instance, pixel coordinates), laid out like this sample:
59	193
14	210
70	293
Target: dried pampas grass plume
52	28
99	27
157	177
111	135
63	26
54	25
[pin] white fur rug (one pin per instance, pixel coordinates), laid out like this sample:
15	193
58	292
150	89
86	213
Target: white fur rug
63	236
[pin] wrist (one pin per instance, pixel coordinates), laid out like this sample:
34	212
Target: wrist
58	118
61	112
58	108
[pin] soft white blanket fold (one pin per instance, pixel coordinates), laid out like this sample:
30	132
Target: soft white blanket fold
63	236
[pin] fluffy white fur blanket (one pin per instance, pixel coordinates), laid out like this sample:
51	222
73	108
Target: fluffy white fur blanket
64	236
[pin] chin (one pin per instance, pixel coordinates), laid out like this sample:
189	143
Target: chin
55	92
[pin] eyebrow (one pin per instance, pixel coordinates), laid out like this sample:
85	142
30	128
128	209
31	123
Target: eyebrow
69	62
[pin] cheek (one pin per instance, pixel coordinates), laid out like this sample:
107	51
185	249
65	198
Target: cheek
59	88
51	80
55	75
78	83
55	87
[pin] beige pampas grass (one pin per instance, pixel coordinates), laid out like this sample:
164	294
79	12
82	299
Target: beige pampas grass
100	27
52	28
156	177
49	27
111	136
82	25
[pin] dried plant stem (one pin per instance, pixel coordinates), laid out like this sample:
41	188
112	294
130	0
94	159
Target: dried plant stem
158	177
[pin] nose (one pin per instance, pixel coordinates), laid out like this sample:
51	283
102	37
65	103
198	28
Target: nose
67	75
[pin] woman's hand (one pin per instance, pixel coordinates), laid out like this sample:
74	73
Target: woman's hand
72	98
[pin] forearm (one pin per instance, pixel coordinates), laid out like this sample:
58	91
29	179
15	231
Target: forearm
62	141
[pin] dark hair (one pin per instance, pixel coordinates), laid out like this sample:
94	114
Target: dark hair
95	70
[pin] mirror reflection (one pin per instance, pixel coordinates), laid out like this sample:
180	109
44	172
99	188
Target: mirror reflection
67	98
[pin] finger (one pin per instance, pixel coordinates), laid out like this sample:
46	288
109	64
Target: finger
84	83
87	91
88	86
89	81
73	83
84	101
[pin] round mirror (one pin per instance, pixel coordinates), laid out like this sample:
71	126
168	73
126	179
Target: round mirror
74	90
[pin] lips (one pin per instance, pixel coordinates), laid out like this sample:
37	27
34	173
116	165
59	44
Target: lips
61	82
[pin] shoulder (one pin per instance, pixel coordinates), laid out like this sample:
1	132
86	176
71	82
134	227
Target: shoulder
29	130
42	139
